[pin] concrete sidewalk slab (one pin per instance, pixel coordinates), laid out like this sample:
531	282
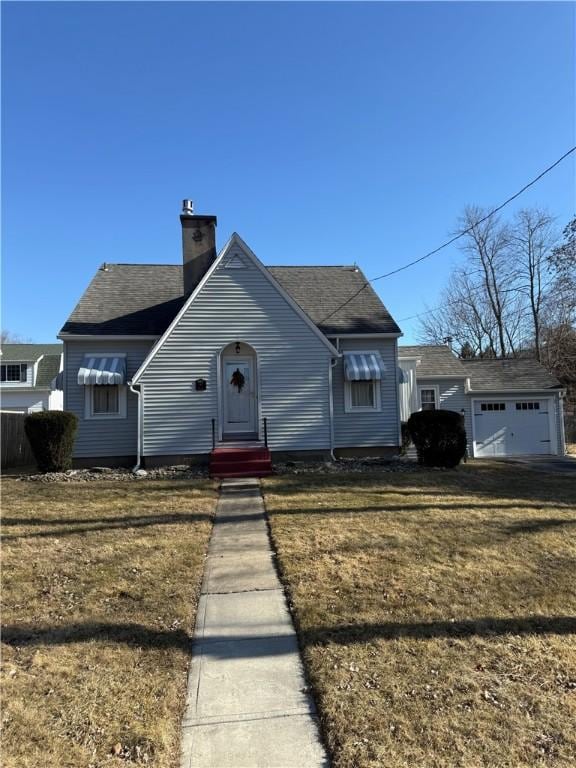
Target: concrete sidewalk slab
248	705
278	742
249	543
253	614
253	676
239	572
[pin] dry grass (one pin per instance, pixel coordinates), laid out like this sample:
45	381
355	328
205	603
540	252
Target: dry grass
437	613
100	582
571	449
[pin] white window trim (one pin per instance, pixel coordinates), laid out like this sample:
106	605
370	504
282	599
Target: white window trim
349	408
88	404
436	389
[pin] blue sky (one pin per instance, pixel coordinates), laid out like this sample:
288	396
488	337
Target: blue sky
324	133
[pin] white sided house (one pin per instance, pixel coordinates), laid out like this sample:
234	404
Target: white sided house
169	363
28	378
511	407
223	357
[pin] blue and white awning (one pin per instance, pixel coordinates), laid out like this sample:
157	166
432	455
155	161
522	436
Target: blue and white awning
102	370
363	366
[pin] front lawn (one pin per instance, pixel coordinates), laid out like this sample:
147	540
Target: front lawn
436	611
100	582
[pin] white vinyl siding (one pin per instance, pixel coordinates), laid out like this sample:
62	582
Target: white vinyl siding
24	402
237	304
408	392
367	428
102	436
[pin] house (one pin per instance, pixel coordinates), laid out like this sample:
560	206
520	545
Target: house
165	363
27	377
511	407
222	356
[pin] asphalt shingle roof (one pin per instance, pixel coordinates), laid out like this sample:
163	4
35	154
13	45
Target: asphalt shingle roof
142	299
434	360
48	368
130	299
28	353
485	374
337	299
517	373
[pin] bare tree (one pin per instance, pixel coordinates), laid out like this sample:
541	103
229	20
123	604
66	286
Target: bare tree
487	245
531	241
8	337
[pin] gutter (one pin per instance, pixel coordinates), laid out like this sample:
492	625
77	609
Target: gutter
138	393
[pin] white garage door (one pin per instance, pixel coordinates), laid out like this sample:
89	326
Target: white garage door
519	427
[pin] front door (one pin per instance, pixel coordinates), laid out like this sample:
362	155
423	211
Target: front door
239	390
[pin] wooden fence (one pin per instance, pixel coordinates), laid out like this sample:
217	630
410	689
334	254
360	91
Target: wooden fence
15	448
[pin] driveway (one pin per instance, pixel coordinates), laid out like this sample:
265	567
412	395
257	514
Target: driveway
556	465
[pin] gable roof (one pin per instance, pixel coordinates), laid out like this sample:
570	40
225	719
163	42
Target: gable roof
435	360
512	374
234	241
28	353
143	299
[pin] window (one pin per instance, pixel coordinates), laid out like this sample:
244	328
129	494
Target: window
105	401
13	372
527	406
362	395
428	398
493	406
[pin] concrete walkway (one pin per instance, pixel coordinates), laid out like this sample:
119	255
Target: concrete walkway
247	703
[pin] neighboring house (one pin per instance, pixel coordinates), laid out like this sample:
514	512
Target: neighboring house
171	360
511	407
163	363
27	377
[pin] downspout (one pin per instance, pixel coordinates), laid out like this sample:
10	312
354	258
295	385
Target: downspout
139	439
331	364
561	396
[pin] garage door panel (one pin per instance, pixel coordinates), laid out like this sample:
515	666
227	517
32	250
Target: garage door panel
519	427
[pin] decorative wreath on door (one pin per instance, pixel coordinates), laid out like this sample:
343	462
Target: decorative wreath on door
238	380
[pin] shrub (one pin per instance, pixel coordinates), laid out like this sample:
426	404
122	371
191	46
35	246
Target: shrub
439	437
406	439
51	435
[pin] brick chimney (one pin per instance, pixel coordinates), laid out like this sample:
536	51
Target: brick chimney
198	245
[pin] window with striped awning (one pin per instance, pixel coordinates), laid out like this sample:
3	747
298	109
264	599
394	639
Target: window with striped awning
363	366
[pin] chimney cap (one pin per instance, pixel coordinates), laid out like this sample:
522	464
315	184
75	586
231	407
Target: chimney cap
188	207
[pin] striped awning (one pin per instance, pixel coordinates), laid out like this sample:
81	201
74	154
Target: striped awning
363	366
102	370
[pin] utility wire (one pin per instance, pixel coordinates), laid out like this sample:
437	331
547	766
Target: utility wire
472	289
456	237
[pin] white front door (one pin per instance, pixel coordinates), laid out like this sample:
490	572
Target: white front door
239	390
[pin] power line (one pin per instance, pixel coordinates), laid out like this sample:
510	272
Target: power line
472	289
456	237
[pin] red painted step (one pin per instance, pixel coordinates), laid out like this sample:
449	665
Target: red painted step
235	461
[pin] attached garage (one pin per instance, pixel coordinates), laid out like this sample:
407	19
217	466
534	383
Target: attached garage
511	407
519	426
